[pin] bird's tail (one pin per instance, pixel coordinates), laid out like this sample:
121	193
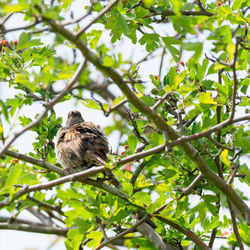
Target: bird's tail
95	157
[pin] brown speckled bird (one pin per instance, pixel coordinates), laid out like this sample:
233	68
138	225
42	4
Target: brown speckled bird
80	145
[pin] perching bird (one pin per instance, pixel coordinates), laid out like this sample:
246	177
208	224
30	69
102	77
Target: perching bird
80	145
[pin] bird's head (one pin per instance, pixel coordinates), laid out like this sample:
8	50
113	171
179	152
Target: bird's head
74	117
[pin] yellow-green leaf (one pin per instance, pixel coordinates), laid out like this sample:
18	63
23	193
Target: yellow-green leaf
230	51
148	3
96	236
14	173
14	8
128	188
90	104
143	197
224	157
219	66
205	98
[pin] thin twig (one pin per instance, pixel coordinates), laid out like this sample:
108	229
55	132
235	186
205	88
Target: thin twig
217	60
201	5
235	85
99	222
219	145
160	101
154	12
5	18
179	113
162	59
45	205
235	170
191	186
77	20
137	172
235	228
214	231
25	27
129	230
40	216
116	106
19	221
136	131
101	13
134	6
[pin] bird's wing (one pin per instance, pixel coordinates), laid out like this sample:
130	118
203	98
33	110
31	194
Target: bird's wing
88	142
60	134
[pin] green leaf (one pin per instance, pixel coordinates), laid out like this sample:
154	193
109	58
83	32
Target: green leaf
176	4
120	215
242	139
196	47
127	188
151	41
143	197
237	4
4	111
96	34
169	42
245	101
210	198
34	42
28	179
22	41
23	79
169	173
76	237
108	61
14	173
141	12
148	3
132	142
118	26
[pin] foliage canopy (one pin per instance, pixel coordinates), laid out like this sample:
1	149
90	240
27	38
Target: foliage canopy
174	80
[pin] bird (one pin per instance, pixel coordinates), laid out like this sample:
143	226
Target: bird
80	145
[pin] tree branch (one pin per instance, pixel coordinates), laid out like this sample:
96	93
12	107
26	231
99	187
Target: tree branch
154	12
10	220
45	205
34	229
191	186
5	18
36	162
